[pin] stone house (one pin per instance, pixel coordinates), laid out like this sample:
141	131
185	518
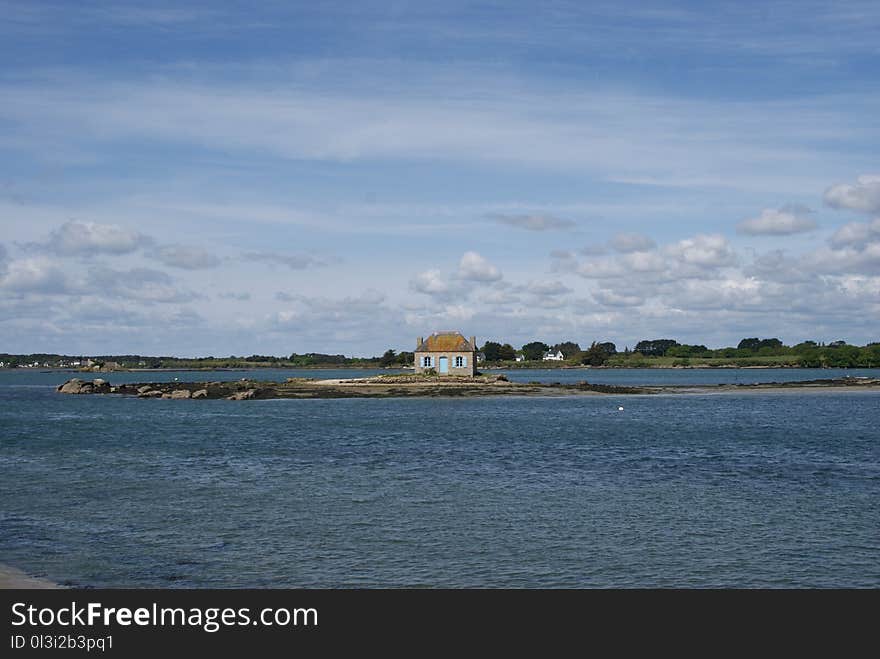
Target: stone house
448	353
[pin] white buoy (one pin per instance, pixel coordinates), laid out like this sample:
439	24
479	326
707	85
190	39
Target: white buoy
620	408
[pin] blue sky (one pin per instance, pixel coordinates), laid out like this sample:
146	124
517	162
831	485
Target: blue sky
220	178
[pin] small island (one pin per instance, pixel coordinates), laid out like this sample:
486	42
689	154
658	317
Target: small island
421	386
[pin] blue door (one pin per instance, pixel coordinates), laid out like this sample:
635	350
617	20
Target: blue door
444	365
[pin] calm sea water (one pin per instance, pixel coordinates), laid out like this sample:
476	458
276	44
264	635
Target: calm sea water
752	489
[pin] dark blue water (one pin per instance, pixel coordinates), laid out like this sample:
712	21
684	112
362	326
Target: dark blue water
683	376
756	489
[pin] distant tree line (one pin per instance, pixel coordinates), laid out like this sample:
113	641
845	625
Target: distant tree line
497	352
749	351
53	360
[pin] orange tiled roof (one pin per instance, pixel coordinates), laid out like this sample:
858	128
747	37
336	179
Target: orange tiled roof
446	342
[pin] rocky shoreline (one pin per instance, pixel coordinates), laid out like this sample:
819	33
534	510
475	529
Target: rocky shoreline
391	386
12	578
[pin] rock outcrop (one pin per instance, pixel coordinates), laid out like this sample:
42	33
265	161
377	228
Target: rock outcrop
241	390
247	394
72	386
77	386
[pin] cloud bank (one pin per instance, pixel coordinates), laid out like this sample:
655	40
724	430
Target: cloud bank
784	221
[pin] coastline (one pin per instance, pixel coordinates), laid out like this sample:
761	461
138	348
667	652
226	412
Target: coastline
13	578
405	386
551	366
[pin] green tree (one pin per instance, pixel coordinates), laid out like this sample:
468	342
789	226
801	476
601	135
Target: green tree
491	351
595	355
686	351
842	356
751	344
388	358
507	353
569	349
656	347
810	358
869	356
535	350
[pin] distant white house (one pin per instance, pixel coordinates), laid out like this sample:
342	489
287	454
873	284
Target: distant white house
554	356
520	358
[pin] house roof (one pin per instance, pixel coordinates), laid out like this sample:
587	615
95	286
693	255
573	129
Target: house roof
446	342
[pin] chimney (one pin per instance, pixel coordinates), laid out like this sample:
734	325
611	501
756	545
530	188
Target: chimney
474	342
418	343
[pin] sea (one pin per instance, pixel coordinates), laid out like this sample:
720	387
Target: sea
754	489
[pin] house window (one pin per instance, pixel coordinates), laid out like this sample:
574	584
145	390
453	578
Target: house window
459	362
427	362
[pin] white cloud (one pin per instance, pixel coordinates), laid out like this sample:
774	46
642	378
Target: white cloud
100	283
643	262
442	317
704	251
779	267
784	221
601	268
548	287
430	282
695	295
367	302
286	318
563	260
535	222
864	196
36	275
855	234
137	284
499	298
846	260
321	322
474	267
184	257
611	299
632	242
89	238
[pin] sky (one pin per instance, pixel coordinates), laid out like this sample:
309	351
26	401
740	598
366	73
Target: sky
216	178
